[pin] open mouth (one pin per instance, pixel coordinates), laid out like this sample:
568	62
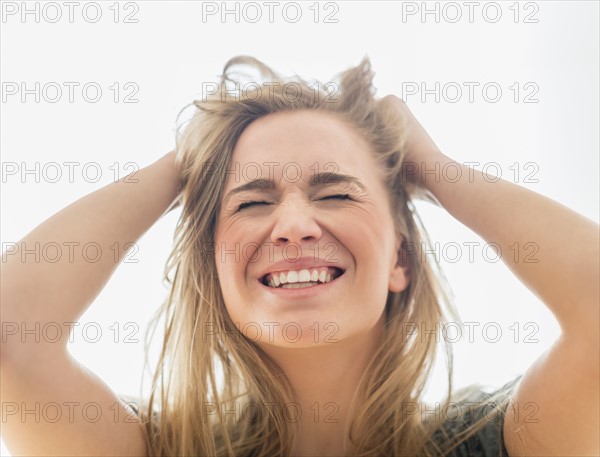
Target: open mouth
297	279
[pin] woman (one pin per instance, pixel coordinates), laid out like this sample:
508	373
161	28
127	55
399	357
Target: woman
290	326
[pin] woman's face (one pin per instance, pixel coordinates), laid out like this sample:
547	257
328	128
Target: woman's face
305	265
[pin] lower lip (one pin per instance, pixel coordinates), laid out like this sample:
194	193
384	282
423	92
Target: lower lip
304	291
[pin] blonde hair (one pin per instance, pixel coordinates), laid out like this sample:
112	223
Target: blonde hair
199	369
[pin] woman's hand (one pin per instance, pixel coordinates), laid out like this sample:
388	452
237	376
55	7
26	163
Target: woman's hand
419	147
420	151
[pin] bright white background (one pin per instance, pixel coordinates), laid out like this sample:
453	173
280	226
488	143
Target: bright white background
171	51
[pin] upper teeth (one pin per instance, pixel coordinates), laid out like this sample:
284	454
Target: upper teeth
288	277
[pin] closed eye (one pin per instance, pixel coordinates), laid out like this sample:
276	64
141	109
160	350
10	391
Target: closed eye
337	197
247	204
329	197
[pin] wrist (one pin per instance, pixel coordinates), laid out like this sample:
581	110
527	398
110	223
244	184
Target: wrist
424	168
438	168
167	168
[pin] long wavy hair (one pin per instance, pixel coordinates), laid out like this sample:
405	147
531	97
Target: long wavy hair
202	376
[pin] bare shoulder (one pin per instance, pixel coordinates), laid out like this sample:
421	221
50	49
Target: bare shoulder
63	409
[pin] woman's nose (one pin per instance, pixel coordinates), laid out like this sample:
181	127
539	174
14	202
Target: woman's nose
295	223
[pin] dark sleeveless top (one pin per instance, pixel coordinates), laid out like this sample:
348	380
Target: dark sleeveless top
489	441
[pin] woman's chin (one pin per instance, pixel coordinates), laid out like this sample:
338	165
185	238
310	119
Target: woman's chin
292	333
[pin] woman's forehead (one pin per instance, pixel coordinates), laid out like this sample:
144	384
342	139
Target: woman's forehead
311	132
282	143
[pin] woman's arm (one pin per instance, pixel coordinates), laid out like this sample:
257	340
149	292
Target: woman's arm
564	382
550	248
36	292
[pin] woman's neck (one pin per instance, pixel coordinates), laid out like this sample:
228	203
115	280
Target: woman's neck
324	380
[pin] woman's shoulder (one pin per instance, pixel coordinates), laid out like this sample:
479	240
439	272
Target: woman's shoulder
137	407
485	409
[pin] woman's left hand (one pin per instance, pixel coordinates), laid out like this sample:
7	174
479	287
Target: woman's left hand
420	147
420	151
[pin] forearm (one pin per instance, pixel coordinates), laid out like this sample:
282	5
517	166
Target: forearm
550	248
38	289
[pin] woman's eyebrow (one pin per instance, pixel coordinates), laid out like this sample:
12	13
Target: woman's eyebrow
255	184
316	180
327	178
